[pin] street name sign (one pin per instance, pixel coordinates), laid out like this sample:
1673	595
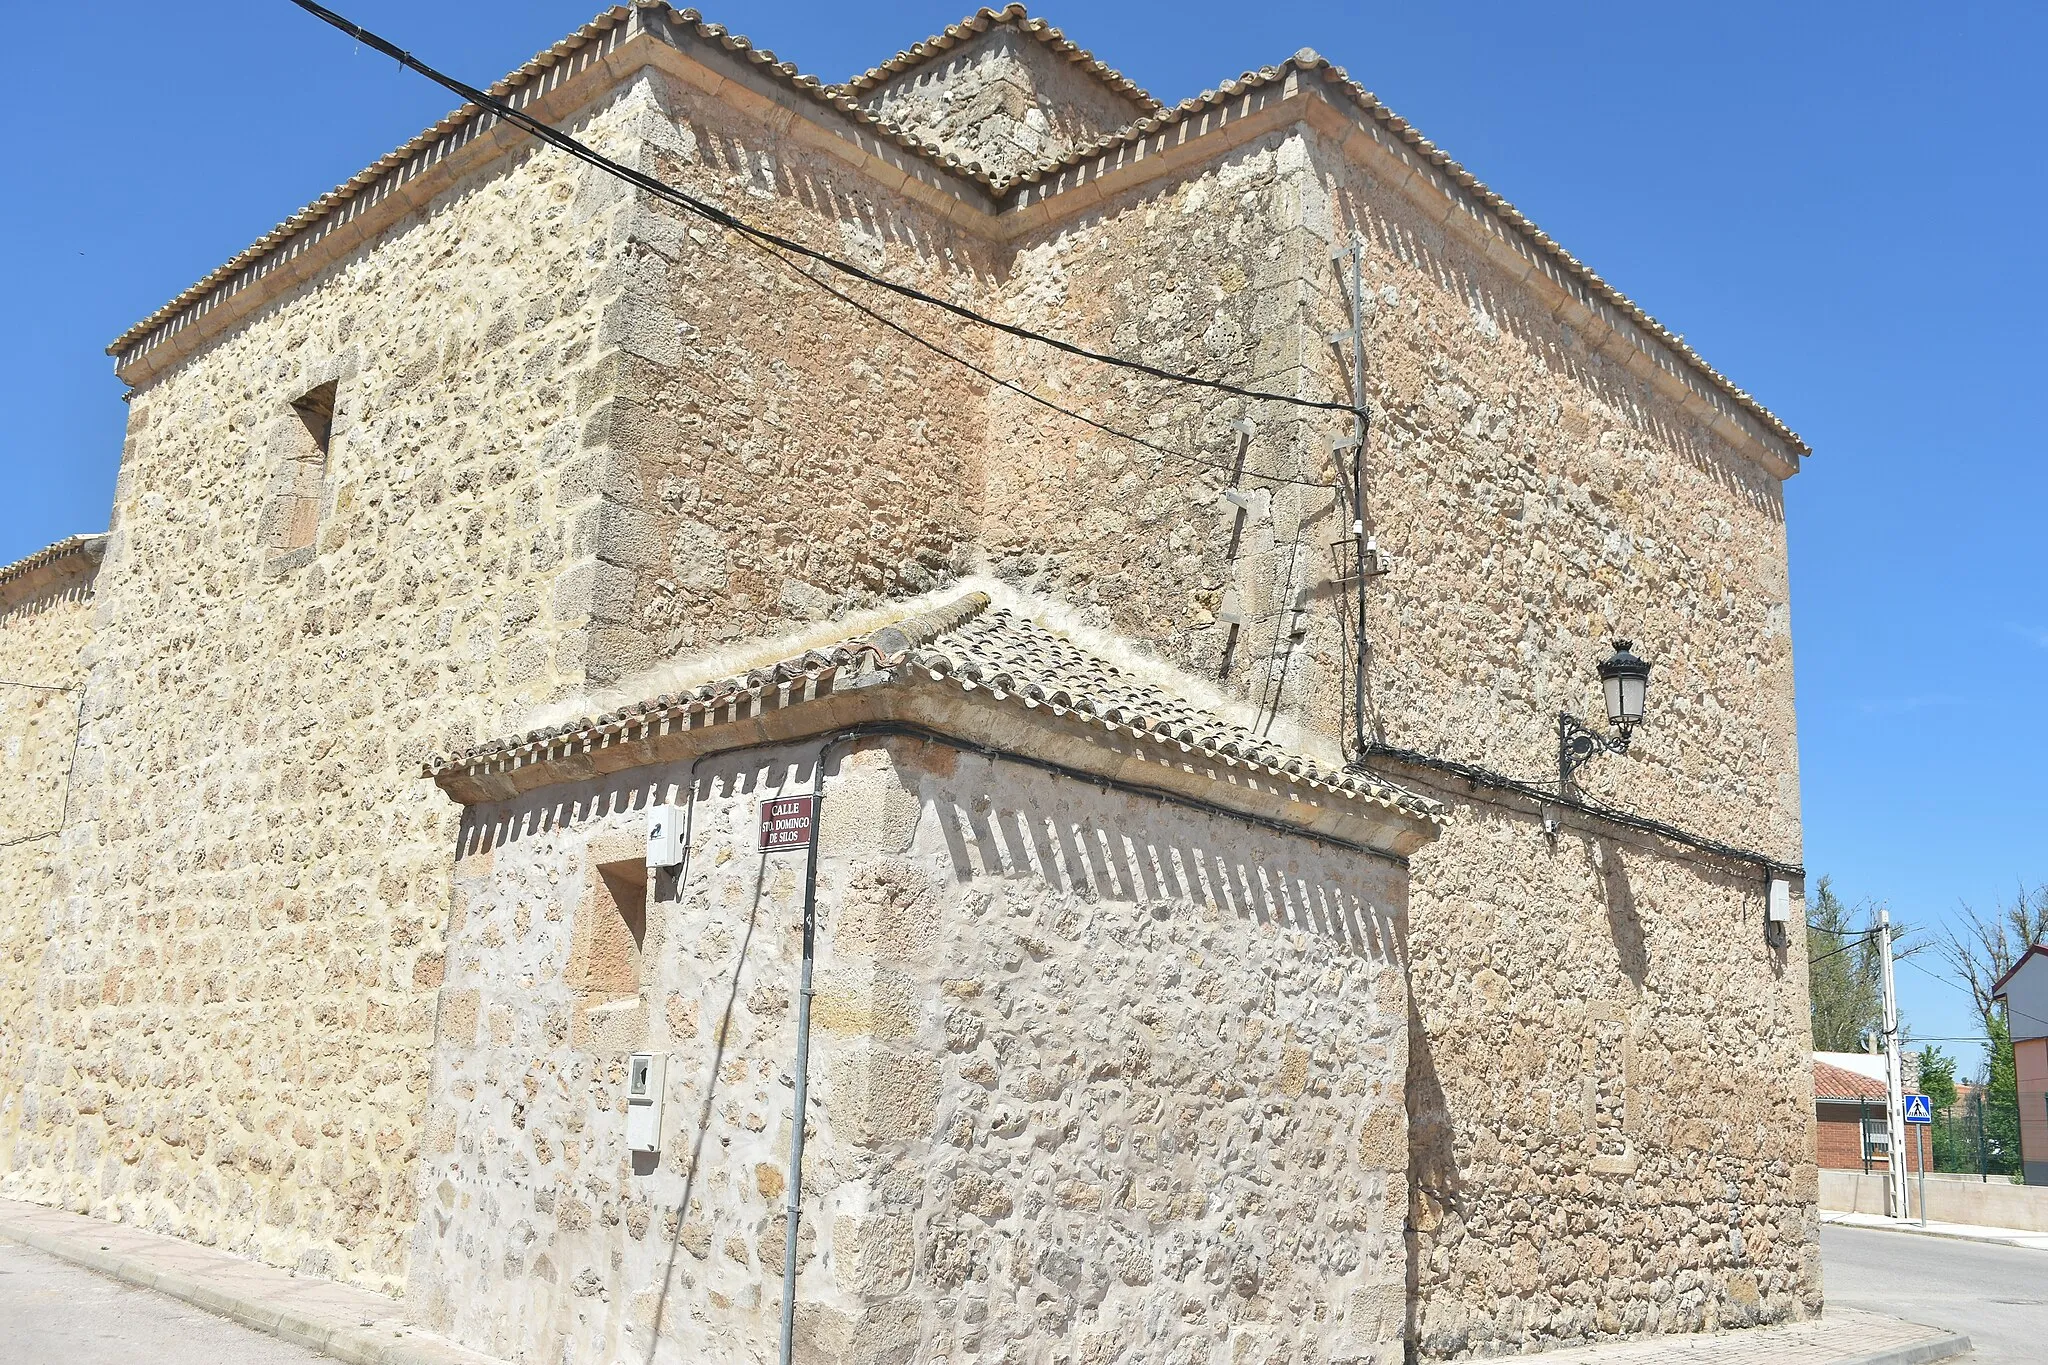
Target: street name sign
786	822
1919	1109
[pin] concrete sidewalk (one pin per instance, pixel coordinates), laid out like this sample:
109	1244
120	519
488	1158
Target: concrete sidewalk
1967	1232
1846	1336
334	1319
369	1329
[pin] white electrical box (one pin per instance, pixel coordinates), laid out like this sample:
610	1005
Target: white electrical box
644	1076
665	835
1779	910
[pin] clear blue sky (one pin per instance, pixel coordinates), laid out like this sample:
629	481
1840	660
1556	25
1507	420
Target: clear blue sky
1839	205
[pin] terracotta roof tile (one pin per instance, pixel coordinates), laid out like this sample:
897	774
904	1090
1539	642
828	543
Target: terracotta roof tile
91	546
1008	656
1834	1083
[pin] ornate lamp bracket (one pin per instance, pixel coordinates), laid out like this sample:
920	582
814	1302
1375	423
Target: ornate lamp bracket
1578	745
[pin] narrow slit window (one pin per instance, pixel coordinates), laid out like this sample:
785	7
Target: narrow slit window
316	410
299	485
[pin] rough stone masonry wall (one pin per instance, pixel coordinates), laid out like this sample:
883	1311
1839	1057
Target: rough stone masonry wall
45	626
1606	1133
1089	1076
1536	497
1002	100
777	457
235	1010
1205	272
1539	498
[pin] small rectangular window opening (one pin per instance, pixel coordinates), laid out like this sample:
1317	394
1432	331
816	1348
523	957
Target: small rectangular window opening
627	884
316	409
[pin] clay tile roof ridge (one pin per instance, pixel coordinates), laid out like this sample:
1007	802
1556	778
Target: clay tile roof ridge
980	22
607	21
91	544
1309	60
1011	657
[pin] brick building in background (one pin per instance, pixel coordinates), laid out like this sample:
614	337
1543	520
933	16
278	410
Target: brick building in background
488	467
1849	1106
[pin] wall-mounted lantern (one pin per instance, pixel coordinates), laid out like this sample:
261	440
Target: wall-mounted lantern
1625	680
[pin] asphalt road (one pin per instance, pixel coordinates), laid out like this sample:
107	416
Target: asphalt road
53	1313
1996	1295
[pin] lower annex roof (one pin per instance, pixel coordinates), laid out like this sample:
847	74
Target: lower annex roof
974	646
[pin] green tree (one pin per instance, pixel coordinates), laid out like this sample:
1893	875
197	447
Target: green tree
1844	976
1978	948
1937	1077
1952	1135
2001	1100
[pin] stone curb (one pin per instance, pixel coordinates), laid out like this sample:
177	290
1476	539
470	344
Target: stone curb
1919	1353
1959	1236
2014	1240
347	1343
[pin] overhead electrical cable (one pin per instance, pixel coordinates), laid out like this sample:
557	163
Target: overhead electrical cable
555	137
1955	986
1040	399
1853	943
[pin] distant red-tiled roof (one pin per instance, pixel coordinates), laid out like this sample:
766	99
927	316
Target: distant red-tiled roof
1836	1083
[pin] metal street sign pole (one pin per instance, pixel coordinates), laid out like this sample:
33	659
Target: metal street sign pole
1920	1143
790	822
1919	1111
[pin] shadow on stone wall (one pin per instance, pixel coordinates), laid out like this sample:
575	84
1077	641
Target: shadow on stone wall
1434	1189
673	887
1632	952
1117	861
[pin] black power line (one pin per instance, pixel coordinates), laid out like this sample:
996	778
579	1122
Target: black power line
555	137
1855	942
1020	390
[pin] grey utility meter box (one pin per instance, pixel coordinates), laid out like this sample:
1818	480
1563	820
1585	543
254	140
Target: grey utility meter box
1778	908
645	1073
665	835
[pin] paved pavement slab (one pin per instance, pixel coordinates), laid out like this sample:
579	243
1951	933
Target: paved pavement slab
319	1316
355	1325
56	1313
1842	1336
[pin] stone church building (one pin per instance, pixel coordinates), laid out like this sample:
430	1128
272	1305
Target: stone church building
1209	960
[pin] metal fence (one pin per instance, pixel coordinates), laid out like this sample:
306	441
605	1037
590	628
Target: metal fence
1977	1135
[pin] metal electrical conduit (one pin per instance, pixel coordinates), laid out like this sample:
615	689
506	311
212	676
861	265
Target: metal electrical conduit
903	730
1486	777
70	764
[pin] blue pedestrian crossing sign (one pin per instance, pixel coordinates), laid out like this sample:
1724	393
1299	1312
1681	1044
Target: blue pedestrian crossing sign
1918	1109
